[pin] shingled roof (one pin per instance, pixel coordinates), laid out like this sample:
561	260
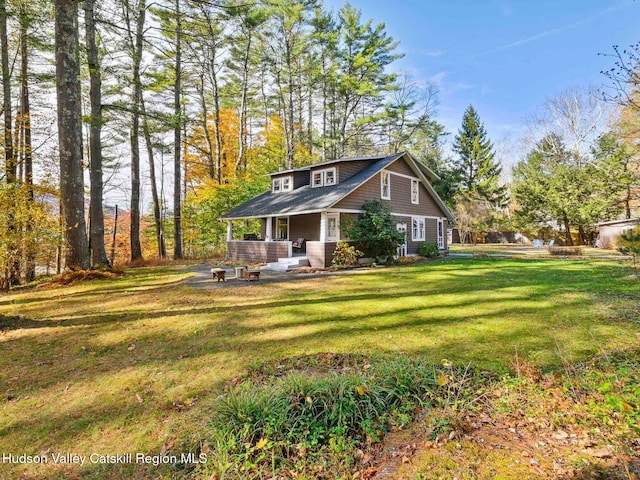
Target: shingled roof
307	199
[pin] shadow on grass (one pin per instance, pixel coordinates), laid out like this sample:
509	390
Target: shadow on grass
480	310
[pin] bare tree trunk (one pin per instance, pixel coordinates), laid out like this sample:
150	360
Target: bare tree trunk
136	248
567	232
25	116
115	231
70	133
243	104
177	141
205	128
98	252
162	252
13	268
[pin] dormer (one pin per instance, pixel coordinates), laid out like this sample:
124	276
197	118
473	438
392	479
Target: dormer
323	177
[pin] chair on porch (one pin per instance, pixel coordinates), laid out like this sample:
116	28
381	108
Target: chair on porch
298	245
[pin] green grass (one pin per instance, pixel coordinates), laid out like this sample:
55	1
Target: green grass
523	250
132	364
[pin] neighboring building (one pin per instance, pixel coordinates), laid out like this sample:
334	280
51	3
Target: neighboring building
609	231
312	202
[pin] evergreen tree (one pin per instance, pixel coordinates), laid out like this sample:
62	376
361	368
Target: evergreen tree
476	167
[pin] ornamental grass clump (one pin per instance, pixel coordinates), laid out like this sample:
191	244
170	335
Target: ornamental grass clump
313	418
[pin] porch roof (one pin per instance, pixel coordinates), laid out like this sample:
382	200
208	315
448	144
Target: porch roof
305	199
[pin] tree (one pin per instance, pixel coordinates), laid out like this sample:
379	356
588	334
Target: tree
374	232
70	133
364	52
629	244
96	215
476	168
549	186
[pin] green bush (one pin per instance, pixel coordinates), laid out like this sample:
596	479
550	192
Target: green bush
374	232
345	255
428	249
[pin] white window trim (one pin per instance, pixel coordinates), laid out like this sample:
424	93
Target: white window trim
385	174
337	217
277	236
440	233
422	232
279	182
416	200
323	177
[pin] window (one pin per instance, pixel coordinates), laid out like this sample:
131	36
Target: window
333	227
282	228
440	233
317	179
415	191
385	185
324	178
282	184
418	229
330	176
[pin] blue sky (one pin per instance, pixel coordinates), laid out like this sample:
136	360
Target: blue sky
504	57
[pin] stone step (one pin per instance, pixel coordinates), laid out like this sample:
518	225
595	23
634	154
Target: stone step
293	260
286	264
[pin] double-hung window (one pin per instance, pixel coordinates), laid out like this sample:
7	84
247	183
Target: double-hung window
415	191
385	185
282	184
324	178
440	233
418	229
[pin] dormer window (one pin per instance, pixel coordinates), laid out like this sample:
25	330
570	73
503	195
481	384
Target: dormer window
385	185
324	178
282	184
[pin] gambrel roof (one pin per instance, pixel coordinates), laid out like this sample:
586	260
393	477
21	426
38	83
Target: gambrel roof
307	199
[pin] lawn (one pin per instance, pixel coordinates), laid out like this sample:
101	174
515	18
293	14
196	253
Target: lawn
518	250
133	364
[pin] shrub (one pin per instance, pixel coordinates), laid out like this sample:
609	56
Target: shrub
345	255
565	251
428	249
375	231
629	244
304	419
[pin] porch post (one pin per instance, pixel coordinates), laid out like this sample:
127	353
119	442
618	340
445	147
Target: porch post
269	233
229	230
323	227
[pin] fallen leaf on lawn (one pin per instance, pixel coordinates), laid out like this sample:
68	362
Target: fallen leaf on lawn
132	347
360	390
441	379
261	443
167	446
139	398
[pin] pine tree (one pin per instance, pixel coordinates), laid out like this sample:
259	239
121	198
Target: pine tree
476	167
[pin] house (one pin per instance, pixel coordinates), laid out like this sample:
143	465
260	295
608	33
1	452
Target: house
312	202
610	231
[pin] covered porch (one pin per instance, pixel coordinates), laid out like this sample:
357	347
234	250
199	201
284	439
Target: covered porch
312	235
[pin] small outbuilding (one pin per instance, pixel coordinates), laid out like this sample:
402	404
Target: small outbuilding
609	231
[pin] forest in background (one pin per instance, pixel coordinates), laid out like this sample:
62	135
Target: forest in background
192	102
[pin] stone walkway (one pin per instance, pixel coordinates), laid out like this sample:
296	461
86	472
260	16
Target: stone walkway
202	277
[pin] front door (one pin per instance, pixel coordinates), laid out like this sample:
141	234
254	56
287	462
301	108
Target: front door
333	227
402	249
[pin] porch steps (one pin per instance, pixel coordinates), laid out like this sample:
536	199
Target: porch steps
286	264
